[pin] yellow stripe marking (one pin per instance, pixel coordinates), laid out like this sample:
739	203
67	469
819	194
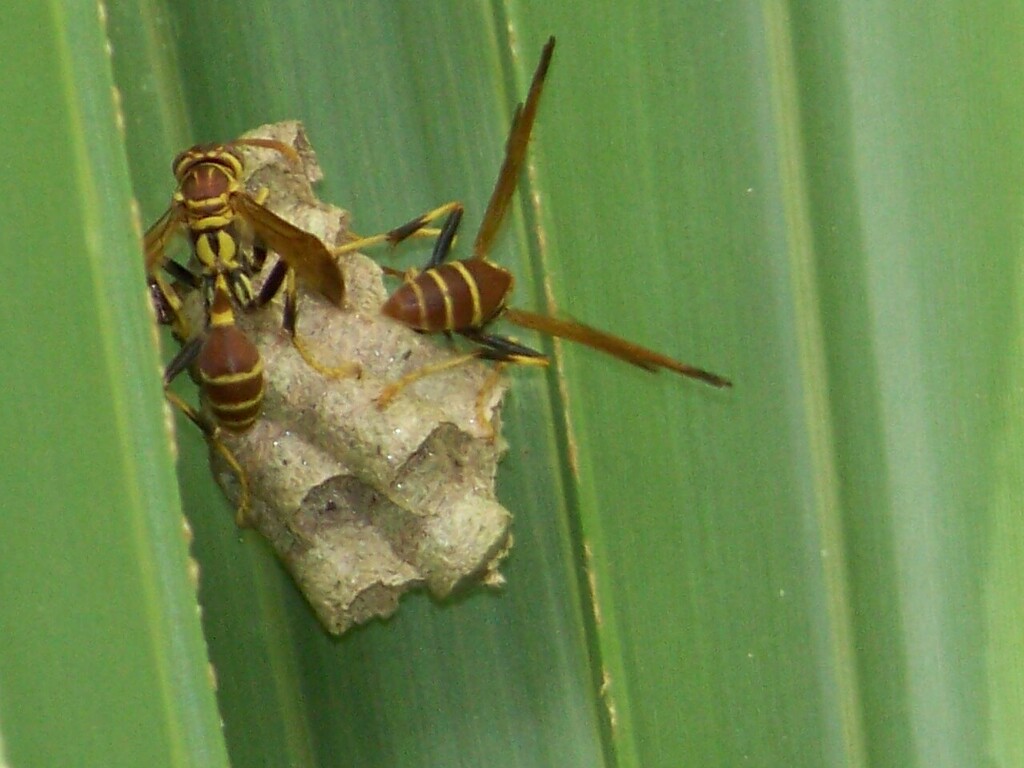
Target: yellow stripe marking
221	313
449	316
241	406
421	302
221	319
227	379
213	221
474	292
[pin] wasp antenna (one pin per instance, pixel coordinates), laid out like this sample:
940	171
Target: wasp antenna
285	149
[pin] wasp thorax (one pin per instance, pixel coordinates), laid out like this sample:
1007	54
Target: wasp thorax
206	186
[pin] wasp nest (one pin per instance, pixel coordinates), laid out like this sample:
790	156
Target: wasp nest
363	504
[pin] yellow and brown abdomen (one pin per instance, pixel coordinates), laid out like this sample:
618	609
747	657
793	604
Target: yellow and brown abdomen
455	296
231	377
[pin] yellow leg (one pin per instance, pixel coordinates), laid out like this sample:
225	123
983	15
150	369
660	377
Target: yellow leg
344	371
492	381
415	228
391	391
179	323
361	243
211	433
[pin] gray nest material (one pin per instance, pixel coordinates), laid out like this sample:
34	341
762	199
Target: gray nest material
363	504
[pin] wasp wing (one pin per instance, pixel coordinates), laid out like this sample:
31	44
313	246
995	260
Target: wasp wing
157	236
301	250
609	344
515	151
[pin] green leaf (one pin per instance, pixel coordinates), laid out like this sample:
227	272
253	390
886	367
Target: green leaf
101	657
820	202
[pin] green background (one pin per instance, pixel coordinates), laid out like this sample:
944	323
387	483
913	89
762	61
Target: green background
819	567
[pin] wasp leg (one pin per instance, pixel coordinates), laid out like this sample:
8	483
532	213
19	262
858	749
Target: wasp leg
183	274
503	349
484	395
490	347
415	228
346	370
272	285
210	431
446	239
282	277
167	301
391	391
185	357
505	352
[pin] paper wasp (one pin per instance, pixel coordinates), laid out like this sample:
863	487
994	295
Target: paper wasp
466	296
219	216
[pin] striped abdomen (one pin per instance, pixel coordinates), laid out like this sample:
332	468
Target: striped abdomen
231	377
456	296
